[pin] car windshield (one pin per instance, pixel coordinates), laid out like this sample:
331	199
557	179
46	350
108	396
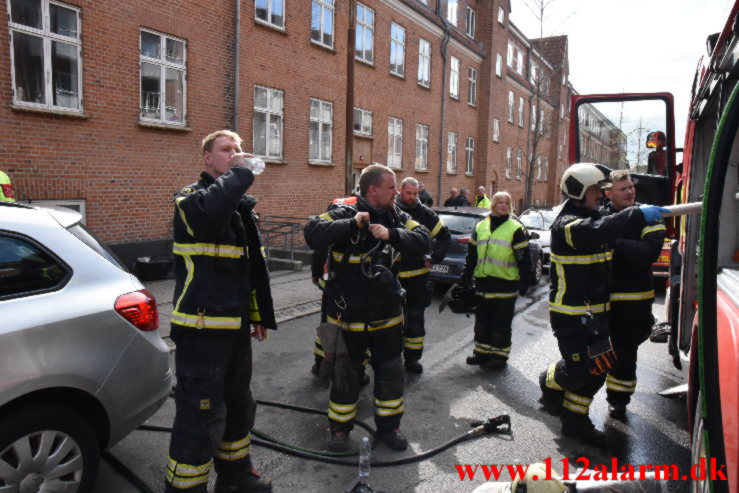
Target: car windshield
540	220
88	239
459	224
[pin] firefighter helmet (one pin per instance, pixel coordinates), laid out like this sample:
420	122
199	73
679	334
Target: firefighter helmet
463	300
578	177
656	140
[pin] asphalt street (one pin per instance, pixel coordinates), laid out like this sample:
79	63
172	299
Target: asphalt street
440	404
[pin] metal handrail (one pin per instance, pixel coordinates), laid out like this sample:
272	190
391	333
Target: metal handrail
285	228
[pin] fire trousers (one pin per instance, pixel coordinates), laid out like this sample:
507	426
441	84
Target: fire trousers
493	320
418	298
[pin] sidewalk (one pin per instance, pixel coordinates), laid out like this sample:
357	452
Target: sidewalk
293	294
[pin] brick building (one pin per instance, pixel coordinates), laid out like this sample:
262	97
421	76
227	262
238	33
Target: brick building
104	103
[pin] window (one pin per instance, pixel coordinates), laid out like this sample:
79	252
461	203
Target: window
365	38
163	78
422	146
362	122
515	58
454	78
469	152
519	164
424	62
451	11
470	23
47	66
268	107
501	15
394	142
541	121
559	152
508	163
533	74
564	79
27	269
546	170
499	65
538	168
496	130
451	156
322	23
397	50
519	62
511	104
321	116
271	12
510	58
561	111
520	111
472	96
533	117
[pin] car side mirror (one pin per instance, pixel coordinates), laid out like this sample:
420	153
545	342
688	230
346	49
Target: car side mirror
533	235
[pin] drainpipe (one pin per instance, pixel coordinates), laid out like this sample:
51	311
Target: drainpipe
349	127
237	57
442	125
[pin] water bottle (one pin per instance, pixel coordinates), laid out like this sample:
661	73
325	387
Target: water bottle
255	164
365	448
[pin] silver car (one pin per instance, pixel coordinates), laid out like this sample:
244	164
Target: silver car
81	360
540	221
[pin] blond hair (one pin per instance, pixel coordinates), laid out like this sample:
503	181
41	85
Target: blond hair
499	195
207	144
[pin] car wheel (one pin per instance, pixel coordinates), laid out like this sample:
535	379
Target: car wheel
537	270
47	448
698	449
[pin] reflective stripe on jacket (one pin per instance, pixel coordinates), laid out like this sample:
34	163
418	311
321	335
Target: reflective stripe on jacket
495	250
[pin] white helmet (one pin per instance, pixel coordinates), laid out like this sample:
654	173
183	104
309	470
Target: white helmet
578	177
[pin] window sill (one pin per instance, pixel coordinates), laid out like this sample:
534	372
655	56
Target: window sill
315	43
456	98
164	126
364	62
424	86
467	173
511	122
421	170
272	160
399	76
364	136
50	111
323	164
451	173
269	25
471	105
497	141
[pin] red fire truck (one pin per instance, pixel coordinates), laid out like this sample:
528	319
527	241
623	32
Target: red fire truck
703	268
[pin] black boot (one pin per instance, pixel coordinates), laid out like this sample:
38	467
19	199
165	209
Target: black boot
617	411
251	483
413	366
585	431
394	439
339	441
495	363
477	359
551	399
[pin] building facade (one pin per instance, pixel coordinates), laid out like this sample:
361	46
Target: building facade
105	103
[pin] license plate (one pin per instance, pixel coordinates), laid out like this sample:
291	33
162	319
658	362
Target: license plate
440	268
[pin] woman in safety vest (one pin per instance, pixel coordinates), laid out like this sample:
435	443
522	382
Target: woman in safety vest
498	258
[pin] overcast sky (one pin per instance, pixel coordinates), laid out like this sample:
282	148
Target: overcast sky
630	45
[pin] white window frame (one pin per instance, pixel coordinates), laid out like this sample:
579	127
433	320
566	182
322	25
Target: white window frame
499	65
511	105
533	117
510	56
365	122
496	130
324	5
501	15
509	163
270	9
397	50
541	121
451	153
365	33
424	63
519	62
322	138
422	146
472	93
546	169
47	37
521	111
538	168
533	74
469	151
270	112
519	165
470	29
561	111
559	152
454	78
163	65
394	142
452	7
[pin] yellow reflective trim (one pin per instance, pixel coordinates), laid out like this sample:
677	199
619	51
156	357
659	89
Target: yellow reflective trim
390	403
232	456
353	259
209	249
494	241
187	469
190	268
652	229
575	408
254	315
582	259
319	352
521	245
550	381
342	408
326	216
382	411
206	322
182	216
561	282
437	228
238	444
568	232
264	252
411	224
643	295
184	476
359	326
341	418
492	296
413	273
578	310
579	399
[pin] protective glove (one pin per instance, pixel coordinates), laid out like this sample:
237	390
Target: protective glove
602	357
652	213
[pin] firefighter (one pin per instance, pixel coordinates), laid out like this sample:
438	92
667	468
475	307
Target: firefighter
579	297
499	259
365	300
632	292
221	288
414	272
6	188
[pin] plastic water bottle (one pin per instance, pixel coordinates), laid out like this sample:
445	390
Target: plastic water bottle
365	449
255	164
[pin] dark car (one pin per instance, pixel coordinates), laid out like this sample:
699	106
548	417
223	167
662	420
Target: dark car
540	221
461	222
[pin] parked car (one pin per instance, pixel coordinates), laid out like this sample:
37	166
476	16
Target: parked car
81	360
461	222
540	221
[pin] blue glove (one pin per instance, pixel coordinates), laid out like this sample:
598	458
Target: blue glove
652	213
